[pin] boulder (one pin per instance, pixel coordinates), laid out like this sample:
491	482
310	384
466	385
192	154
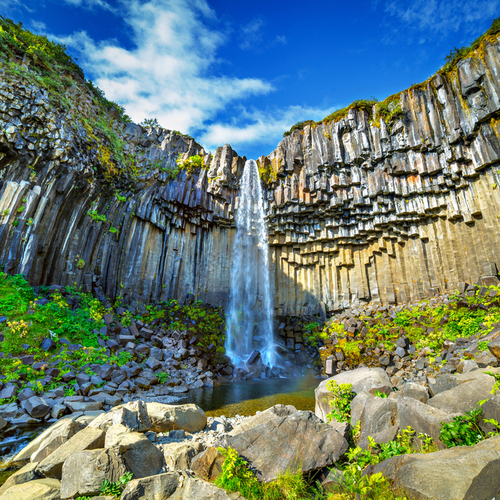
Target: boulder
115	434
87	439
422	418
362	379
494	347
464	397
197	489
275	411
50	439
86	406
36	407
84	471
208	464
289	443
133	415
23	475
491	410
379	420
142	457
159	487
461	473
358	406
40	489
415	391
178	456
443	382
188	417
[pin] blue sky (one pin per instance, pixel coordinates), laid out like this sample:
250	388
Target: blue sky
243	72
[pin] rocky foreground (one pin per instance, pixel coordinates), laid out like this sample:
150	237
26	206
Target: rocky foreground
172	451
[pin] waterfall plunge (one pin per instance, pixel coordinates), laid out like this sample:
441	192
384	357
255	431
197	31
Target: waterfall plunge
250	315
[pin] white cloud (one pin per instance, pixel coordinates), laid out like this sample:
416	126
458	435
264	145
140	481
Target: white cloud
89	4
444	16
257	126
169	73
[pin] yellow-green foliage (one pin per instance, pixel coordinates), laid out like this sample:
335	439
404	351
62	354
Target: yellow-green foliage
267	174
340	401
460	318
192	165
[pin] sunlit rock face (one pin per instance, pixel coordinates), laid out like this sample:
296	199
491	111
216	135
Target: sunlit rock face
358	212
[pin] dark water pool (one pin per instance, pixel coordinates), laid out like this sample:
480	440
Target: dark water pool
249	396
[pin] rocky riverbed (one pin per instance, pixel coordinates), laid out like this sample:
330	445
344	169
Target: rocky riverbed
172	451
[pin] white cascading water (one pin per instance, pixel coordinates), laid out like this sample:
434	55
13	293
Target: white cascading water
250	315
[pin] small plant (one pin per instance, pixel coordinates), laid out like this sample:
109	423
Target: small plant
6	212
96	217
80	264
15	223
20	209
116	488
380	394
496	376
113	230
340	401
162	377
29	222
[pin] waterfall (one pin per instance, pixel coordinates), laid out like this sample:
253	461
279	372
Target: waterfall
250	315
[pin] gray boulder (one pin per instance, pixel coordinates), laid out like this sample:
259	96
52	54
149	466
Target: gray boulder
23	475
464	397
50	439
415	391
159	487
178	456
379	420
297	442
197	489
188	417
208	464
133	415
461	473
362	379
84	472
87	439
39	489
36	407
422	418
275	411
141	456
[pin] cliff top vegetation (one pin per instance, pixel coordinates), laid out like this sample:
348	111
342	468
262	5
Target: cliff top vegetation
390	108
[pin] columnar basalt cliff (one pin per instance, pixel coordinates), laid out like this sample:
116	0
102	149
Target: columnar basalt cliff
359	210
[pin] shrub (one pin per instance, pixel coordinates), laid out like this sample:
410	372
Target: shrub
340	402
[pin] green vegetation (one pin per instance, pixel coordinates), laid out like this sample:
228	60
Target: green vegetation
162	377
424	325
31	320
267	173
465	430
390	110
112	489
340	402
457	54
96	217
192	165
236	476
299	126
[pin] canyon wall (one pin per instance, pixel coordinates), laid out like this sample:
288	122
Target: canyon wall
358	211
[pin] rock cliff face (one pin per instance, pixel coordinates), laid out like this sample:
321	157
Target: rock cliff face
358	212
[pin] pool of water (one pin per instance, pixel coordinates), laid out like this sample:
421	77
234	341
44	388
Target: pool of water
249	396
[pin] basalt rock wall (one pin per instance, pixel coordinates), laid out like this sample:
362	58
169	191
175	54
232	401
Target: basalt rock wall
366	213
359	211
